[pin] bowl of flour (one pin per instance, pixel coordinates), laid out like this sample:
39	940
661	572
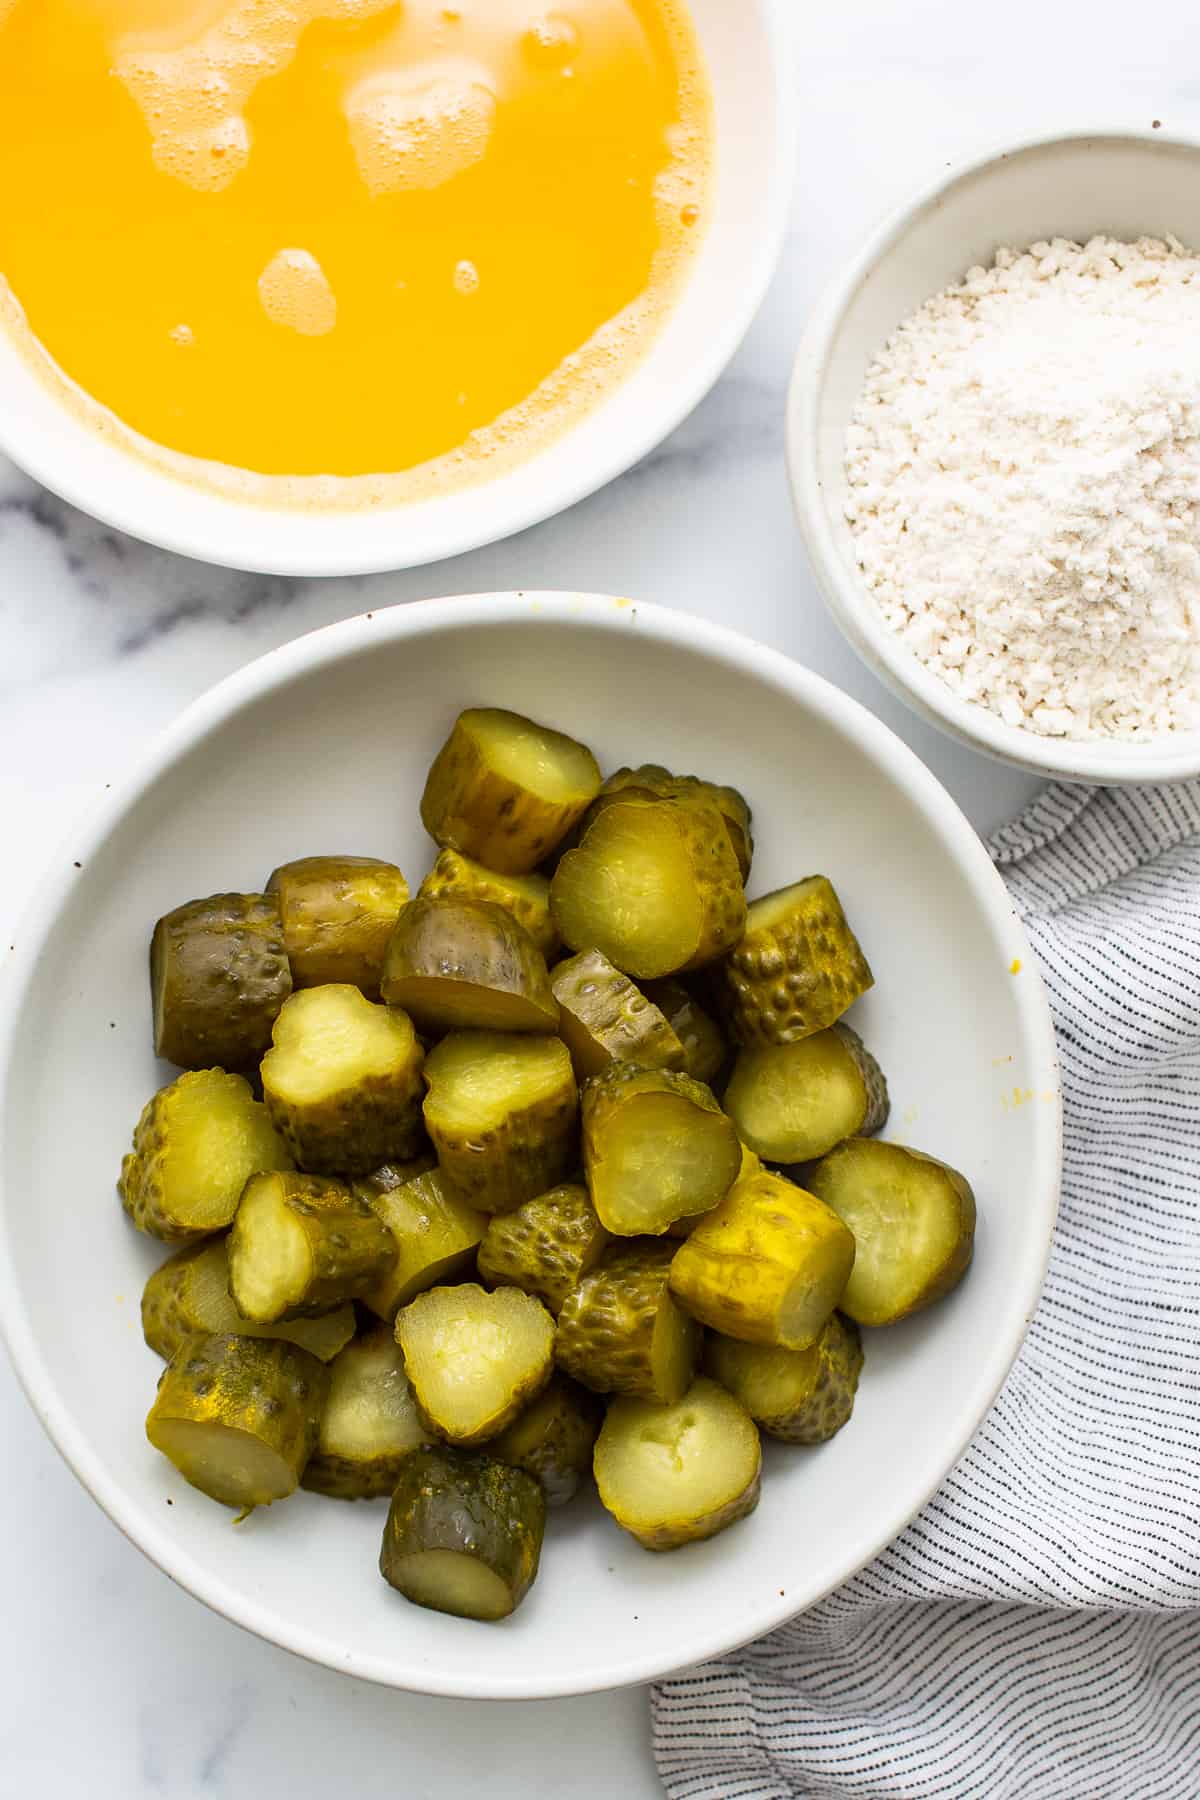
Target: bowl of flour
994	447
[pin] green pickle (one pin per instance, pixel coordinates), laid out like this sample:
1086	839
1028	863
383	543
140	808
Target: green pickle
546	1246
656	1148
553	1439
503	1113
188	1296
674	1474
800	1396
793	1102
239	1416
660	783
620	1330
196	1145
526	897
913	1219
798	967
475	1359
463	1533
506	791
301	1245
435	1234
604	1018
369	1422
219	974
338	913
460	964
705	1051
343	1082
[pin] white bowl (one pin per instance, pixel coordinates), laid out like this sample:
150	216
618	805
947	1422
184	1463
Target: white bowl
323	745
1128	184
746	48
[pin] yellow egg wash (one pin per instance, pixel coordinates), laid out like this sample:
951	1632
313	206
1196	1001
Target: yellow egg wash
284	241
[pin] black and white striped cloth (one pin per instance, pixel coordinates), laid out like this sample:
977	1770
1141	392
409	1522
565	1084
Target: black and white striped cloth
1035	1632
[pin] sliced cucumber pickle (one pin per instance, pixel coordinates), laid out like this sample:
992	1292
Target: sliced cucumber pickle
526	897
369	1422
219	974
503	1113
705	1051
463	1534
798	967
301	1245
188	1296
793	1102
338	913
475	1359
545	1246
621	1332
460	964
660	783
435	1234
801	1396
604	1018
552	1440
671	1475
656	1148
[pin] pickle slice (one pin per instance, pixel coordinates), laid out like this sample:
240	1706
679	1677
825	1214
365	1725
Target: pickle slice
435	1233
463	1534
653	779
301	1245
683	1228
656	1148
343	1081
368	1423
654	885
621	1332
552	1440
338	913
503	1115
797	969
913	1219
460	964
196	1145
545	1246
768	1266
793	1102
801	1396
526	897
604	1018
238	1416
475	1359
705	1051
671	1475
506	791
188	1296
218	976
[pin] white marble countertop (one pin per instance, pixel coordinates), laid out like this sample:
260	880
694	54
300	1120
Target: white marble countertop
113	1683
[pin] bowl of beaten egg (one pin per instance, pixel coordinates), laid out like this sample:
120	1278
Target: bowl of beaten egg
323	746
331	286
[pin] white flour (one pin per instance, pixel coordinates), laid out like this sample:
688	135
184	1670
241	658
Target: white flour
1024	469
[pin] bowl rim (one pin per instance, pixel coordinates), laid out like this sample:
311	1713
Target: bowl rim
326	648
465	527
840	585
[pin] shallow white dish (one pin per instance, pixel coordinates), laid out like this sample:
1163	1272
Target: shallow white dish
1128	184
750	68
323	745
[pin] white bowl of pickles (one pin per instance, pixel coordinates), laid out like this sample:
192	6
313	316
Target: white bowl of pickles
599	1160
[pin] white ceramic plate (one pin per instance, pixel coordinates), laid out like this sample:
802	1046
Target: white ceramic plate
323	745
747	47
1128	184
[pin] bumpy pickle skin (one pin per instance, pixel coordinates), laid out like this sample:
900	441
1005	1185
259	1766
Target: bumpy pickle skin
338	913
503	1114
506	791
705	1051
654	885
343	1081
219	974
369	1422
553	1439
793	1102
660	783
475	1359
188	1296
526	897
461	964
239	1416
604	1018
798	1396
435	1234
914	1221
673	1475
620	1330
546	1246
768	1266
197	1143
463	1533
798	967
301	1245
656	1148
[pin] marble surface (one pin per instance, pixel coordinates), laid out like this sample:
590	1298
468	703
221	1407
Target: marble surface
112	1682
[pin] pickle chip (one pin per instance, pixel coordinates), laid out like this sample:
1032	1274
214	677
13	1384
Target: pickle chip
475	1359
671	1475
604	1018
368	1424
188	1296
503	1113
800	1396
660	783
435	1234
464	1533
793	1102
219	974
461	964
798	967
656	1148
301	1245
552	1440
526	897
705	1051
620	1330
546	1246
338	913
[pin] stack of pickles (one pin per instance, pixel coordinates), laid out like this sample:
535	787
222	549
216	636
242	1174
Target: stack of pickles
463	1220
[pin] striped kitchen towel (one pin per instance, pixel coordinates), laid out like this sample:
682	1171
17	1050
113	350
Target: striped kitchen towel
1035	1632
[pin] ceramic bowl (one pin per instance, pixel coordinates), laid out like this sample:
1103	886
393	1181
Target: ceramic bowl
1126	184
748	50
323	746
